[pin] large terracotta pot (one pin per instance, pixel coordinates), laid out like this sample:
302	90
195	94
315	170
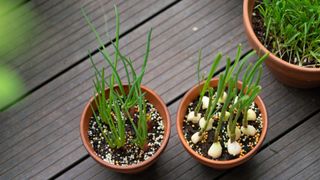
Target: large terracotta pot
288	74
154	99
191	95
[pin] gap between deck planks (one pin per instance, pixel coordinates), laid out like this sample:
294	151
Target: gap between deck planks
63	38
47	140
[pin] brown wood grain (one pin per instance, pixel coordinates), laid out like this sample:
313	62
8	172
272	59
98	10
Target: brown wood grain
46	139
40	135
61	38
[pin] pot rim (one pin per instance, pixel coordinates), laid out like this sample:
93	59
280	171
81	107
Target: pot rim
249	28
179	126
131	167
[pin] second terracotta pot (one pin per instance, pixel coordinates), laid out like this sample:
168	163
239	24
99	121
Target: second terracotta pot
158	103
288	74
189	97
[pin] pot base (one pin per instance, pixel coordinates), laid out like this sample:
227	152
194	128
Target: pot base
292	81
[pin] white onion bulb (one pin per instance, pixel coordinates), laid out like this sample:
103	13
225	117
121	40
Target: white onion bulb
215	150
205	102
195	138
191	117
234	148
251	115
202	124
250	130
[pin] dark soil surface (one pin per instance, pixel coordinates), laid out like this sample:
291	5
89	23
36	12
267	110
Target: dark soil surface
130	153
257	24
202	147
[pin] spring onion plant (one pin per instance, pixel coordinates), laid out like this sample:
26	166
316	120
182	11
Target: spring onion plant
226	103
292	30
114	109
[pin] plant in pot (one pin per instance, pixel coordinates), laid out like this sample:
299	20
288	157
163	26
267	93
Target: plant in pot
289	32
124	127
223	122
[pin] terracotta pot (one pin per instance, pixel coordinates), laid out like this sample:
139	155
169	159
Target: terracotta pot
191	95
154	99
288	74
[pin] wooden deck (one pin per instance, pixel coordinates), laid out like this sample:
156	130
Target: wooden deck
39	135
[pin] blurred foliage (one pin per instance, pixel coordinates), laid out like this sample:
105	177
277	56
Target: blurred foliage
16	26
10	86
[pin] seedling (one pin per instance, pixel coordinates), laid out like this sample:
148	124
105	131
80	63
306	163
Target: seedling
114	111
227	102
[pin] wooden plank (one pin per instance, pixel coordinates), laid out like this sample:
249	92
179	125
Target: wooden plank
315	176
52	112
290	155
309	172
154	63
62	37
55	114
46	14
14	112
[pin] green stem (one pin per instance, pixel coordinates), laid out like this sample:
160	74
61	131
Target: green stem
218	129
196	110
232	136
245	121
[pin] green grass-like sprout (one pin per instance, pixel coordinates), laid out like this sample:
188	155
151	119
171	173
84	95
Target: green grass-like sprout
237	101
292	30
113	111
